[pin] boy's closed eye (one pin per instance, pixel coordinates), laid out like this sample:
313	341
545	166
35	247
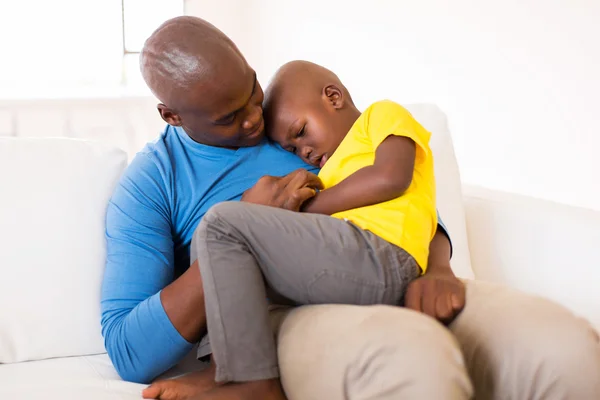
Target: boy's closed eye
299	134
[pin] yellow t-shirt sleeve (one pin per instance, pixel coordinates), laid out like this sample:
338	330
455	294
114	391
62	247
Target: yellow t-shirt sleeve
387	118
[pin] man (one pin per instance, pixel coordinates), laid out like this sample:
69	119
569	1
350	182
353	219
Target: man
212	151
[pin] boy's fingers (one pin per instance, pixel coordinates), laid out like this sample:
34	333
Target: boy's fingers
412	299
444	307
302	177
299	197
429	300
458	302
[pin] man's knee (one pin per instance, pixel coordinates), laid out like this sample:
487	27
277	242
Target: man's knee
526	346
381	352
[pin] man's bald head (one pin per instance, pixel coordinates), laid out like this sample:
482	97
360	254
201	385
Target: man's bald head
205	85
183	52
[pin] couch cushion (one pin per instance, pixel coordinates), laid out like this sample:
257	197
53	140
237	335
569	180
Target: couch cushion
449	189
52	210
72	378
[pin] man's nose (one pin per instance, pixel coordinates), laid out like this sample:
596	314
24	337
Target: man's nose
253	117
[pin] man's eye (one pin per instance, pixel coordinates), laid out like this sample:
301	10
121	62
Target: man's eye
301	132
292	150
227	119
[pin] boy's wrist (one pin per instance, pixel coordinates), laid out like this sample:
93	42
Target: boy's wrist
308	205
439	268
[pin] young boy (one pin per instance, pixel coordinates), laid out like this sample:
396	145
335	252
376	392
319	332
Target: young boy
363	237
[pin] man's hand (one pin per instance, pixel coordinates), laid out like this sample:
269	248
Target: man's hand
438	294
288	192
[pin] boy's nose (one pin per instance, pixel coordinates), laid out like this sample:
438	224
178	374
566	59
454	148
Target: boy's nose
305	152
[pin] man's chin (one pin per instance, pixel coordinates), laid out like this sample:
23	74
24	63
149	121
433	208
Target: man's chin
253	140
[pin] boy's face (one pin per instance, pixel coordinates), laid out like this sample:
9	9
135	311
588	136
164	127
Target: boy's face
311	129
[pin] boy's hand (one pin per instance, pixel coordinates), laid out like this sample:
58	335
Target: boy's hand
438	294
288	192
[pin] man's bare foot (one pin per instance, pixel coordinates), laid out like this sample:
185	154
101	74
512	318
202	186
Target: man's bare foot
186	387
255	390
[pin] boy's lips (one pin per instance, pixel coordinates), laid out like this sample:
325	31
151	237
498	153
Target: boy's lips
324	158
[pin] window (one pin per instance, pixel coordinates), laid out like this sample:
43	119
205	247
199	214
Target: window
72	47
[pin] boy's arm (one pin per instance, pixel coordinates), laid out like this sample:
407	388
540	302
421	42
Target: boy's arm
438	293
388	178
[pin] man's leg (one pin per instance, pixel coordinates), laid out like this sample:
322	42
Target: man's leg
519	346
341	352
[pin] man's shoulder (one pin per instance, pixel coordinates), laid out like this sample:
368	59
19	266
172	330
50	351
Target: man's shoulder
150	171
156	155
276	160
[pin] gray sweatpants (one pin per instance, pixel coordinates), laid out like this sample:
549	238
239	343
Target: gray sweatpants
244	249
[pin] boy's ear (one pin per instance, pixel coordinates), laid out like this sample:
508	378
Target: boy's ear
334	96
168	115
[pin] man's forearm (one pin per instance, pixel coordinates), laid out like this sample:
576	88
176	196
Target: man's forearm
183	301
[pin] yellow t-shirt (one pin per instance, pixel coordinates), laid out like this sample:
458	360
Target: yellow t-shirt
408	221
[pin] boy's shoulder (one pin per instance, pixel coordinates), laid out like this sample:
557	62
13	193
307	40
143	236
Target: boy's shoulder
386	107
384	113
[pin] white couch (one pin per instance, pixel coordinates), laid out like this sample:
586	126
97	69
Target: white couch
52	202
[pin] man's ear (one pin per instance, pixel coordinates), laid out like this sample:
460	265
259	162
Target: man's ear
168	115
334	96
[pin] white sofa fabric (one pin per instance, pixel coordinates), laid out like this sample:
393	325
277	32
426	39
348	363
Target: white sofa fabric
52	219
70	274
536	246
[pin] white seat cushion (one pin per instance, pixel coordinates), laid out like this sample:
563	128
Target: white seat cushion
449	189
77	378
52	213
72	378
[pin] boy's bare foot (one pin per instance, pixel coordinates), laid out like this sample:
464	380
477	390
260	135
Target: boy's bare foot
186	387
255	390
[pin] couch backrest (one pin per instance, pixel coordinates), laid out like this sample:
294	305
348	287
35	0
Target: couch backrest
448	184
54	194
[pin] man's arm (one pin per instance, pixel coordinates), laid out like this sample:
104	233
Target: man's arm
388	178
141	336
183	300
438	293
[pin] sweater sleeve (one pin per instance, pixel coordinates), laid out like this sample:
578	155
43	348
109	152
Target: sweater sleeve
140	339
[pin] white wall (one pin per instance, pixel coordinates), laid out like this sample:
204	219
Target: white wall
235	18
519	79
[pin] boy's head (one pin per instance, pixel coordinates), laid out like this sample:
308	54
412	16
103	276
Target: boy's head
308	111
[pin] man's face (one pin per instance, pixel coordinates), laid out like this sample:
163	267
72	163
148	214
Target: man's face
312	130
225	111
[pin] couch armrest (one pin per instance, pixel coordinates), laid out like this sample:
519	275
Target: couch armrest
536	246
